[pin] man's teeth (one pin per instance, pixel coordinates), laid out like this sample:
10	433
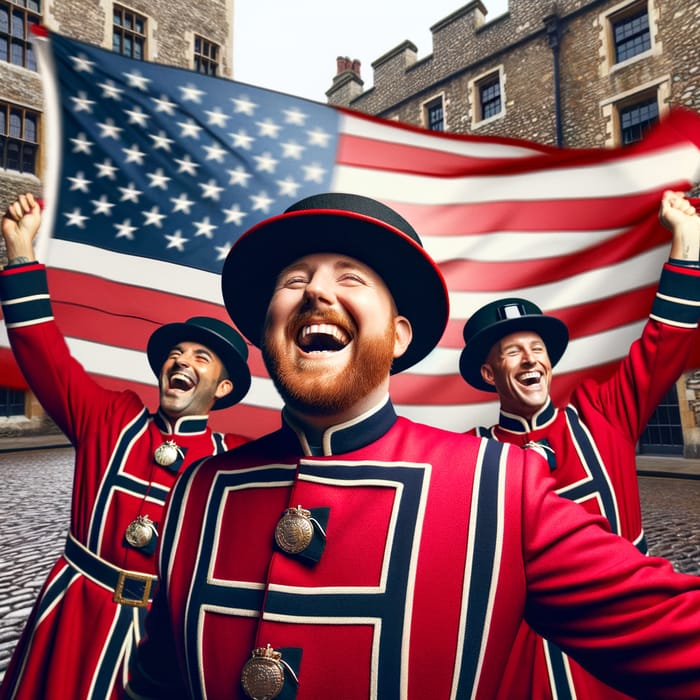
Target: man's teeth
325	329
181	381
530	377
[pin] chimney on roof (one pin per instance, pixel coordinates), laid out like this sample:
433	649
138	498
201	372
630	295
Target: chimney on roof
344	64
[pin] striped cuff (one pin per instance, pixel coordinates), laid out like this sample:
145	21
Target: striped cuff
25	295
677	299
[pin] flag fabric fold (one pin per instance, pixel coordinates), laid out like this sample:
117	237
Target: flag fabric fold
154	171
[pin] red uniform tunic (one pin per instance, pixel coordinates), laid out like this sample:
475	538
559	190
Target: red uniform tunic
77	637
592	449
436	545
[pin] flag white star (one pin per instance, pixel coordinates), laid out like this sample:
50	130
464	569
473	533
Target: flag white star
110	91
234	215
268	128
261	202
130	193
243	105
189	128
102	206
222	251
125	229
291	149
215	152
204	227
317	137
314	172
288	187
176	240
137	80
82	64
137	116
81	144
217	117
294	116
266	163
242	140
161	140
75	218
210	190
79	182
153	217
182	203
239	176
164	104
134	155
190	93
106	169
82	103
158	179
109	130
187	165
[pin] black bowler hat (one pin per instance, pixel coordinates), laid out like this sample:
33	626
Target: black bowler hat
500	318
348	224
216	335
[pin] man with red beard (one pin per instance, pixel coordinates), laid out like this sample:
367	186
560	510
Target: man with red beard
355	554
511	347
90	611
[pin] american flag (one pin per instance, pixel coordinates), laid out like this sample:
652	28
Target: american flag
154	171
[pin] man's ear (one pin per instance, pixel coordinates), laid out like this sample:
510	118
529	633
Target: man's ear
403	335
225	387
487	374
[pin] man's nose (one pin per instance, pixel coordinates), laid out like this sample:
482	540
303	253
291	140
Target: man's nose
320	288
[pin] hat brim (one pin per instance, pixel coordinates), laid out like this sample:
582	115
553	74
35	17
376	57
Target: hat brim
166	337
416	284
553	332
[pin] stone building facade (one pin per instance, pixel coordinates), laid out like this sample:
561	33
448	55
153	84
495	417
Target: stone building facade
553	66
194	35
574	73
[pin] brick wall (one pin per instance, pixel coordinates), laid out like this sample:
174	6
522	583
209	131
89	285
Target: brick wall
517	45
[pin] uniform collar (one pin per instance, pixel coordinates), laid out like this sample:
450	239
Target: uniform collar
344	437
517	424
187	425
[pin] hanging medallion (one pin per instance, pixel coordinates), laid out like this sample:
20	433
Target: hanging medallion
140	531
167	454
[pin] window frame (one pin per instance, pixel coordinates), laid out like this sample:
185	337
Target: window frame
640	101
15	45
127	31
477	86
18	151
203	58
433	122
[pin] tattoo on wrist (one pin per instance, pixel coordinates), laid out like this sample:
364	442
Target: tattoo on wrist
19	260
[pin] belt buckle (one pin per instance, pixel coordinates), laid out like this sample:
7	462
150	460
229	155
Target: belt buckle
126	576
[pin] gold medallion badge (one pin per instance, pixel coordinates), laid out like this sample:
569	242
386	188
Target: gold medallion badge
294	530
262	677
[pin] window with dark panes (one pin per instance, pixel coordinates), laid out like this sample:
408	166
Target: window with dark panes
19	129
16	20
631	34
490	97
129	33
206	56
436	116
637	119
11	402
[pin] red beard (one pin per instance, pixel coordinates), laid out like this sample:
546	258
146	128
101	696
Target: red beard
308	389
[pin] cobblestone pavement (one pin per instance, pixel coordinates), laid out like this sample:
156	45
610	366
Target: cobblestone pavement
35	502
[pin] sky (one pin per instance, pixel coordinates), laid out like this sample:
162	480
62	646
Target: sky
292	47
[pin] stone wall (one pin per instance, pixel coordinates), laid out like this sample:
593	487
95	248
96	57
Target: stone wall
523	45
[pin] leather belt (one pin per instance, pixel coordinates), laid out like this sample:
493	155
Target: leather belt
128	587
